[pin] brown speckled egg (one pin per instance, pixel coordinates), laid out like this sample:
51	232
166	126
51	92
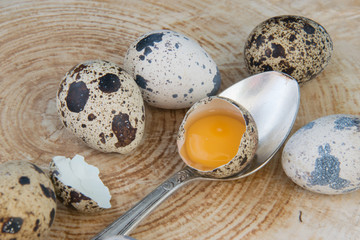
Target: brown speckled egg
27	200
102	105
294	45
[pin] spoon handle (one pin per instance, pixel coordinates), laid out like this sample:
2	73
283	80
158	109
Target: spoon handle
129	220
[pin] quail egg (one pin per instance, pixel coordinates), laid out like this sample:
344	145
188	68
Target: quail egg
172	70
102	105
77	184
323	156
294	45
27	200
217	137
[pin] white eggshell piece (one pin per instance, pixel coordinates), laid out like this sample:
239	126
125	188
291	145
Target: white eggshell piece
324	155
172	70
83	177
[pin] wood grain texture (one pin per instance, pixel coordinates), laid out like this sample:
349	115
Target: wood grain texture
41	40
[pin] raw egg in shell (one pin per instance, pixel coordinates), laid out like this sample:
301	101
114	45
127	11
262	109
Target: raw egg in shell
218	137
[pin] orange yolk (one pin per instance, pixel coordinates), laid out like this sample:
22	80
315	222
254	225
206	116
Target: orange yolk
213	140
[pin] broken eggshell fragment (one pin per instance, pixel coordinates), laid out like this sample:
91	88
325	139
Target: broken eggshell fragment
77	184
102	105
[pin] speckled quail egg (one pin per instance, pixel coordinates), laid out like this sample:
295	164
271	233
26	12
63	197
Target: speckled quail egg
27	200
102	105
294	45
77	184
323	156
217	137
172	70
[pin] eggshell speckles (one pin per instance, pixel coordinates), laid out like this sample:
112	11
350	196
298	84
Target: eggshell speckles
294	45
248	144
323	156
172	70
102	105
27	200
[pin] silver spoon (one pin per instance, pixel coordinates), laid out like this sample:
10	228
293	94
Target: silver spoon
273	100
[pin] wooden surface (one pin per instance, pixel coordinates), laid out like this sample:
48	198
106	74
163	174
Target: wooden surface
41	40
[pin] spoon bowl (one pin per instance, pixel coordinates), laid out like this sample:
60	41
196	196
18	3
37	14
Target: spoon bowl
273	100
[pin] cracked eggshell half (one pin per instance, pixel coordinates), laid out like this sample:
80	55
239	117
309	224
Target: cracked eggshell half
102	105
172	70
77	184
323	156
248	142
27	200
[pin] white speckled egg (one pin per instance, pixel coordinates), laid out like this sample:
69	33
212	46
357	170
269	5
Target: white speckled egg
102	105
323	156
172	70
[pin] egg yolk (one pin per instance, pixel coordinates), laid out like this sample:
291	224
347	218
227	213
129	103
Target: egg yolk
213	140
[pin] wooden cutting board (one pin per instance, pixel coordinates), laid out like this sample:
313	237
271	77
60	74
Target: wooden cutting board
41	40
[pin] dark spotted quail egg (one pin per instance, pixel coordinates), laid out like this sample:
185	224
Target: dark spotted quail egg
172	70
27	200
102	105
77	184
294	45
323	156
